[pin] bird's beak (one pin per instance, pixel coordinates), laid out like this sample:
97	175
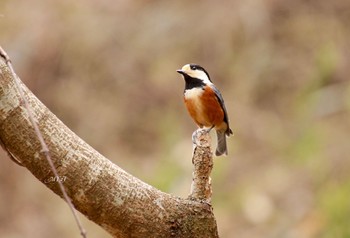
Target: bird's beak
180	71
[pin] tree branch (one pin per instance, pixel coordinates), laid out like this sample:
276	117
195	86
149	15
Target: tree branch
44	148
120	203
203	163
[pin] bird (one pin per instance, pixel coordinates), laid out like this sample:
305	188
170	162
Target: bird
205	104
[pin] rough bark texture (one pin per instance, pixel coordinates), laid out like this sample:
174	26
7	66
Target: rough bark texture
106	194
203	163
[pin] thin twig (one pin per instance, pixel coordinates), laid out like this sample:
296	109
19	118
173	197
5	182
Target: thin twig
44	147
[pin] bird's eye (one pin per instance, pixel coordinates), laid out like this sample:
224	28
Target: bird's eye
193	67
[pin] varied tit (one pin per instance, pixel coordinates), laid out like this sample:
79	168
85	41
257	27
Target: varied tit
205	104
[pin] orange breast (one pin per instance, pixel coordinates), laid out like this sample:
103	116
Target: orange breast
205	109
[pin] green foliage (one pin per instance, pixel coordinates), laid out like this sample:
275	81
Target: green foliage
335	207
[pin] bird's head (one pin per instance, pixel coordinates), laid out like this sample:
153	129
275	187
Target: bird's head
196	72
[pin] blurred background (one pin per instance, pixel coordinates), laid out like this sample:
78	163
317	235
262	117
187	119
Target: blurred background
107	70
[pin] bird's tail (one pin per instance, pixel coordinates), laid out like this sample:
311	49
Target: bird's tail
221	148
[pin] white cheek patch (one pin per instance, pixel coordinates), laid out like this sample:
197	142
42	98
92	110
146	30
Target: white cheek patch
199	74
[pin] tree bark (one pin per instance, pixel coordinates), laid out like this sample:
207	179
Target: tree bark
106	194
202	161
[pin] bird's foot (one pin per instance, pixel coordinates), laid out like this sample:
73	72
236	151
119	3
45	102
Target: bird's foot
194	137
209	129
198	133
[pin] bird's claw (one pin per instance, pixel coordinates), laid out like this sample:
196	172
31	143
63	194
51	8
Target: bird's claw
195	136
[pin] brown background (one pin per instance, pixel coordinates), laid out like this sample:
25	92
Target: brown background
107	69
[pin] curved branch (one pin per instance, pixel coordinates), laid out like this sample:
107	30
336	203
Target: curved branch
120	203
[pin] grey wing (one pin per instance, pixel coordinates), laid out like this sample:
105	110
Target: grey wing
222	104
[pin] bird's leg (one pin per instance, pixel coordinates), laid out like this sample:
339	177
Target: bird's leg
209	129
201	129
